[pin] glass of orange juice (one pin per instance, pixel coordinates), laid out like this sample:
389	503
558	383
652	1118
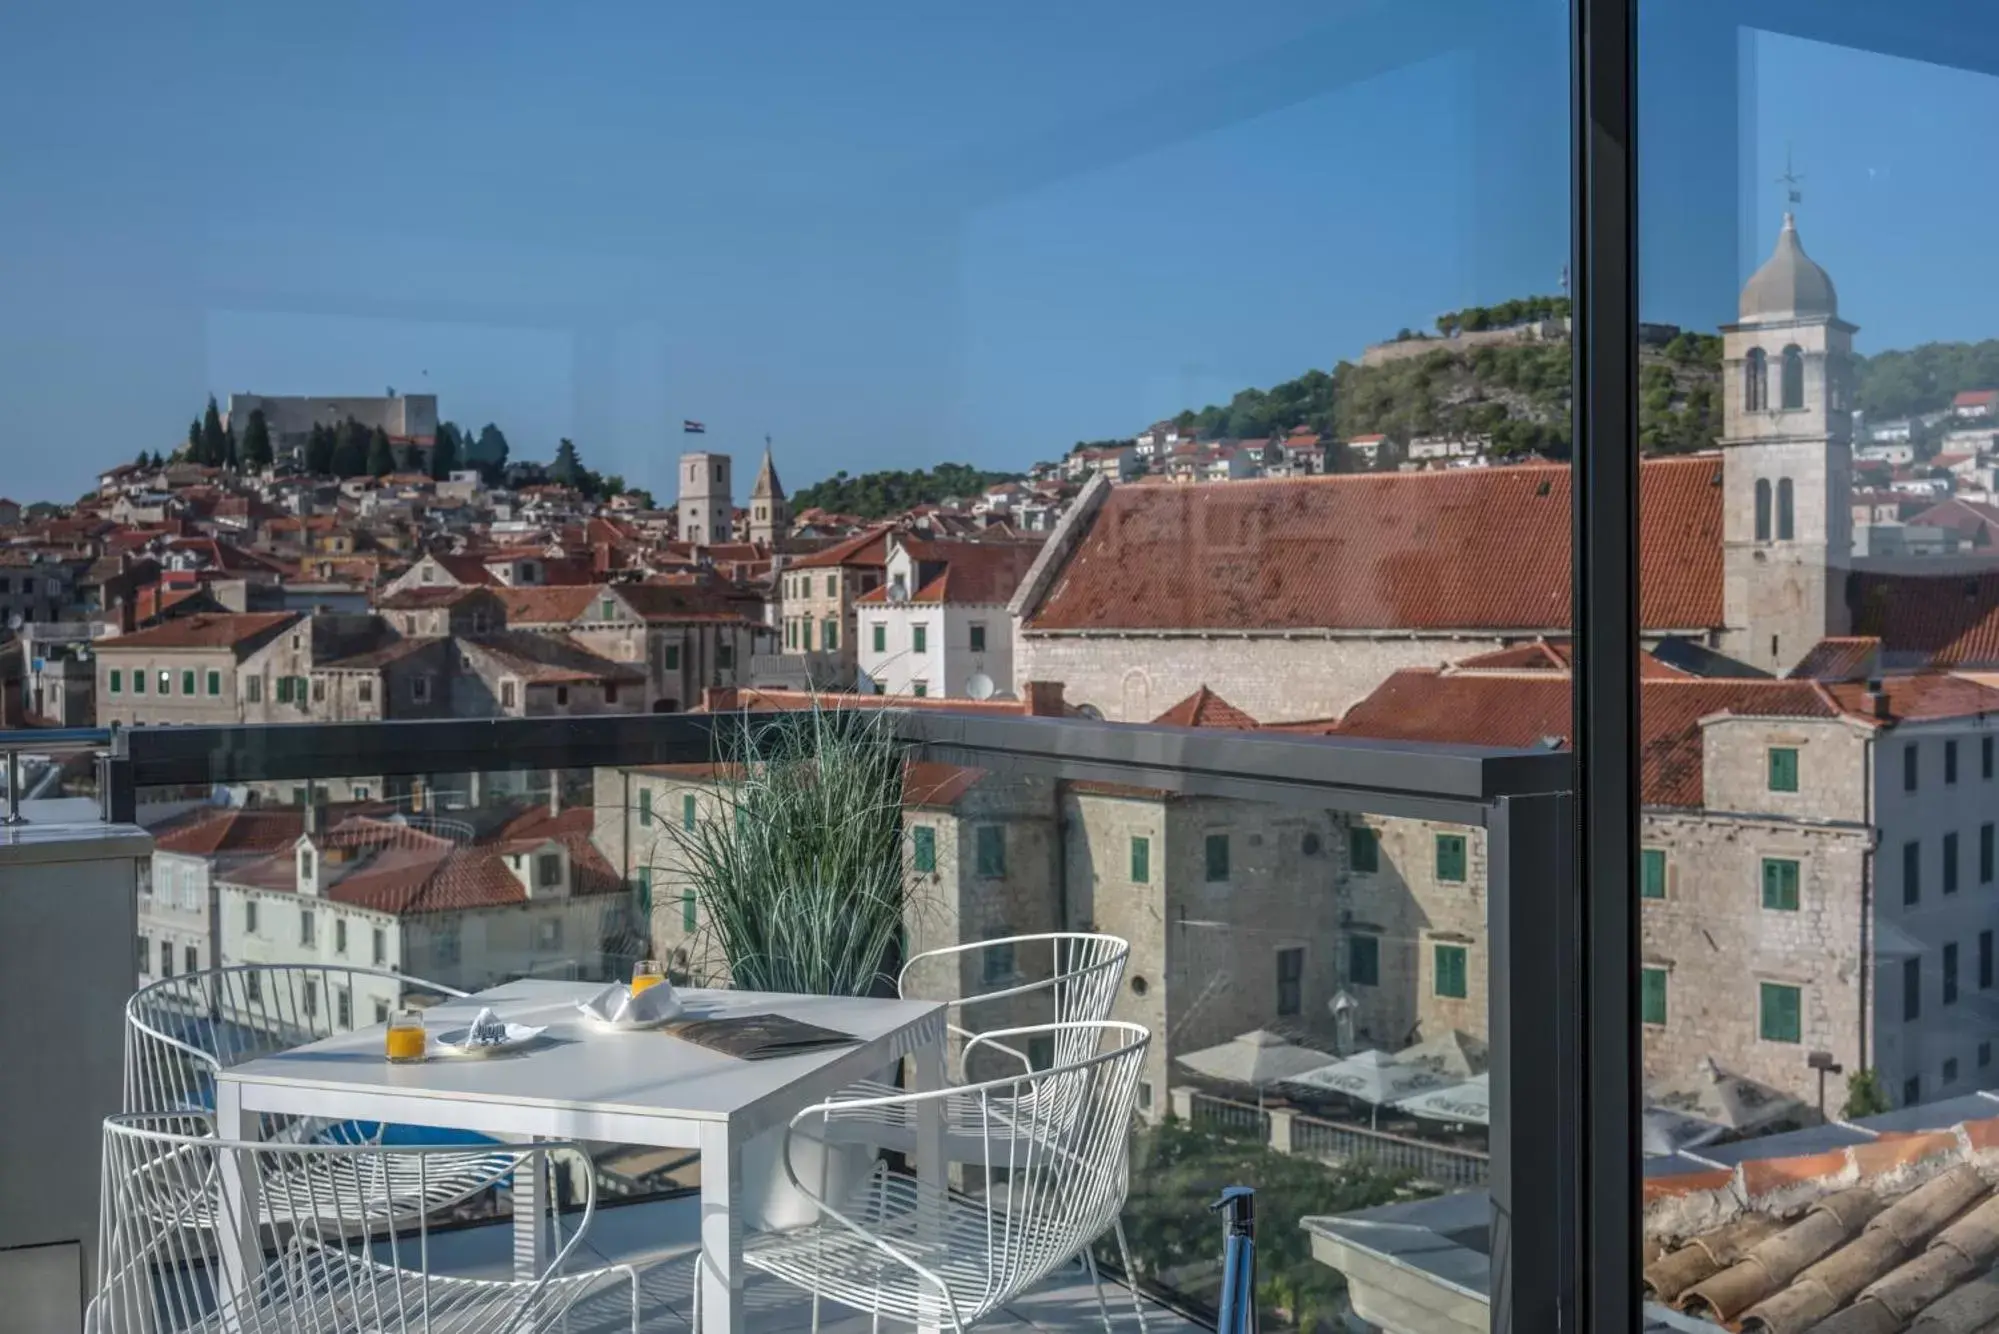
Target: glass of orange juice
406	1040
647	973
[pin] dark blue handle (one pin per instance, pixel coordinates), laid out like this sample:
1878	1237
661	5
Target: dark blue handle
1238	1307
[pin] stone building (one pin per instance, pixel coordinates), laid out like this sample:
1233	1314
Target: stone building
1229	905
706	509
939	624
1299	596
408	419
1787	423
817	600
770	513
1817	871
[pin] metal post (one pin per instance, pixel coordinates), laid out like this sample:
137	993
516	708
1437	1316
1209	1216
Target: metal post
1537	1097
1605	1077
1237	1207
14	815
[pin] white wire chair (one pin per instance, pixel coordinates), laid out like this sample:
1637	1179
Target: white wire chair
322	1261
1083	974
1039	1191
181	1031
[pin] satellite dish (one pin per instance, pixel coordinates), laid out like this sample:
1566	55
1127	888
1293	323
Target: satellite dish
980	686
898	593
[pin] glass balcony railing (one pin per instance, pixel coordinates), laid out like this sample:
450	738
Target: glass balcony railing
1321	1033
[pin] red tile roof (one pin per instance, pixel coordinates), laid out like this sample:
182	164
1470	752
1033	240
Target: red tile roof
1973	398
1938	620
1204	708
558	605
1527	709
210	833
1465	548
869	549
1840	658
241	631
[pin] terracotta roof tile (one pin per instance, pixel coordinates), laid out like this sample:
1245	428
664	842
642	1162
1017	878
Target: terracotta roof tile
1204	708
557	605
1466	548
1515	709
1840	658
239	630
869	548
1941	620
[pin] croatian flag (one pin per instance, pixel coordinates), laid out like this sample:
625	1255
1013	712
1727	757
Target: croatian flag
693	427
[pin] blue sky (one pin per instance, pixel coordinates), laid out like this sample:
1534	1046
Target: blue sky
885	236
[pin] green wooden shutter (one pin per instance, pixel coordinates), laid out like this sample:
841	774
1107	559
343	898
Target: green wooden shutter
645	806
1451	857
1364	961
923	847
1364	850
1141	860
1780	1018
1652	995
1783	769
1652	873
1218	858
1450	961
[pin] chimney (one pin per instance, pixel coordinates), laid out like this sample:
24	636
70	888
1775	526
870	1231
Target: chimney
718	699
1877	698
1043	699
554	793
315	813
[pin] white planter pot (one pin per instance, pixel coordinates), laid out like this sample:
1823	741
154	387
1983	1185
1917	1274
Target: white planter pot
771	1202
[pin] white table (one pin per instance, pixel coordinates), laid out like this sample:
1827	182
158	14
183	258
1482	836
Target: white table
626	1088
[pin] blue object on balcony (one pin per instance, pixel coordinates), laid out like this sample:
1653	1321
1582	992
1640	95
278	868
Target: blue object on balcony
1238	1210
399	1137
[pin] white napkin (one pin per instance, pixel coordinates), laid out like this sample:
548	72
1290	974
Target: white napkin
616	1004
487	1030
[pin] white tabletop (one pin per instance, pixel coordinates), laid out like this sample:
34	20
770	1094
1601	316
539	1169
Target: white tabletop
580	1081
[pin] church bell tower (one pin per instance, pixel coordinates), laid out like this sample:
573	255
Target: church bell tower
1787	425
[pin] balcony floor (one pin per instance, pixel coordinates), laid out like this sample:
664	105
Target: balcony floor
658	1237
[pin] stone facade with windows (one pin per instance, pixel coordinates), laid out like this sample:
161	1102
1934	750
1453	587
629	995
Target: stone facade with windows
1779	916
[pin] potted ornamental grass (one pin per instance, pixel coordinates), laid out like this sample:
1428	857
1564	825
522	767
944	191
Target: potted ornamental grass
797	871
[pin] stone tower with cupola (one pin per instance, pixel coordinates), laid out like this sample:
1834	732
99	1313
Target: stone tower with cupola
1787	422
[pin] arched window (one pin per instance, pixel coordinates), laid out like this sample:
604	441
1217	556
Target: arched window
1794	377
1755	381
1786	525
1762	509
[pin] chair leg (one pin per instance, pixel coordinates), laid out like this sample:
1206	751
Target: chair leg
1130	1272
1097	1283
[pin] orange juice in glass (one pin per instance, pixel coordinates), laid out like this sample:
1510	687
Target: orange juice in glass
647	973
406	1039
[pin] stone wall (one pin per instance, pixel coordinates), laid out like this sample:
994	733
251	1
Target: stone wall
1273	678
1410	911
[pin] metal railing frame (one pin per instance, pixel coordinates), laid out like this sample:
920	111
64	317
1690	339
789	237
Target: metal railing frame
1522	798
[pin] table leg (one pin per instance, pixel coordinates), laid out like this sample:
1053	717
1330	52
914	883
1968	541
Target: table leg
722	1203
928	1075
238	1239
531	1201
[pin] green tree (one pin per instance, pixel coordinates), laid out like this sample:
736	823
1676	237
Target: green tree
216	449
257	441
877	495
490	448
140	462
194	447
614	485
350	450
567	470
1864	1095
444	454
381	453
319	450
1177	1171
